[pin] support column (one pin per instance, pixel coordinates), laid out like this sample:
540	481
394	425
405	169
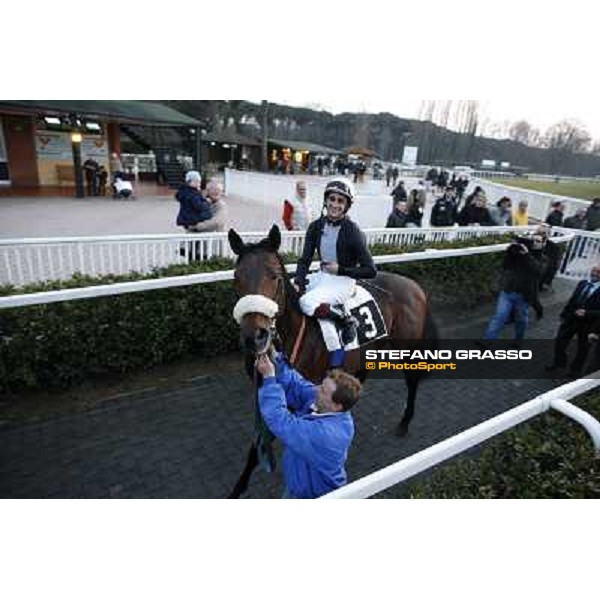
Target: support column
113	135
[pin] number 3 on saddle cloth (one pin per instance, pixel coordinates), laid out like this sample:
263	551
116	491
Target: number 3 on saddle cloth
371	325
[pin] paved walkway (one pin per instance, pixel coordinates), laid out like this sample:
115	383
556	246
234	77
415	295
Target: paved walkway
63	216
188	438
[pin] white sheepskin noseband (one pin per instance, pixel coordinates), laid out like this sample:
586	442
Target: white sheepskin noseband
254	304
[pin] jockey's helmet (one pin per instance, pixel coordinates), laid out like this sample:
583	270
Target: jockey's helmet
340	186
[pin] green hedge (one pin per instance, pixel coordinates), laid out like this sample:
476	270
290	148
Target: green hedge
58	345
551	457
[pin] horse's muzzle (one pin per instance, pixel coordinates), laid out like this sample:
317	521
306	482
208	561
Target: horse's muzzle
257	342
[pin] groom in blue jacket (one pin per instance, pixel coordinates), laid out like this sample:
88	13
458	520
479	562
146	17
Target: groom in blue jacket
313	422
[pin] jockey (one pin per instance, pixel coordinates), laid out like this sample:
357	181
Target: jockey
342	250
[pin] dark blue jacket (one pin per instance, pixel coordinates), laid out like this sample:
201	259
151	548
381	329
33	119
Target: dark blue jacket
316	445
193	206
353	256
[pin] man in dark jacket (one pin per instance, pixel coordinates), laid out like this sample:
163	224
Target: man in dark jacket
476	213
398	217
593	215
342	250
399	194
314	424
553	254
443	213
521	271
556	215
193	206
578	318
577	221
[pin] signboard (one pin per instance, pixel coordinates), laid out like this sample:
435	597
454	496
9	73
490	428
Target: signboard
410	155
488	164
53	145
94	147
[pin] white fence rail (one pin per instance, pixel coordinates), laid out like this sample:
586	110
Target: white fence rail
24	261
556	399
184	280
581	254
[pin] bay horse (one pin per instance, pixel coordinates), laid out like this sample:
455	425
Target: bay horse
260	273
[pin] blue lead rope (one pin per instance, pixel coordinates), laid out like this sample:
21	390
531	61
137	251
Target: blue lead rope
264	438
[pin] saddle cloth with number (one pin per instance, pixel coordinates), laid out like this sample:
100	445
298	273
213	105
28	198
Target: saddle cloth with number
371	326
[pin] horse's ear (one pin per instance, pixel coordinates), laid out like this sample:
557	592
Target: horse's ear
274	238
236	242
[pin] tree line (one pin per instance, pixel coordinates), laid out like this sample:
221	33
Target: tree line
447	132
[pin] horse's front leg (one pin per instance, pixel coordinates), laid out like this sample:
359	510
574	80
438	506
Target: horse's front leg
242	484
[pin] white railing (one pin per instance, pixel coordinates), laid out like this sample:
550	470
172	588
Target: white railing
24	261
556	399
581	254
145	285
558	178
491	174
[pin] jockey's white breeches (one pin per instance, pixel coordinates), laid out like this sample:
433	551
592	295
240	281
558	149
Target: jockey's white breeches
324	288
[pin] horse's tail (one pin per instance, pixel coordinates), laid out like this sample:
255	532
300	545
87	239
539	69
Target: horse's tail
431	331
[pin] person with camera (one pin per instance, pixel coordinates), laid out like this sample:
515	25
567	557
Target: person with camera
521	271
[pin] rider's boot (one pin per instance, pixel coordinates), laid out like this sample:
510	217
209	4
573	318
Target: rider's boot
348	323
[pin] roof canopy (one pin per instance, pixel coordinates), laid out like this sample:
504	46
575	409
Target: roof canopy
299	145
360	150
230	137
123	111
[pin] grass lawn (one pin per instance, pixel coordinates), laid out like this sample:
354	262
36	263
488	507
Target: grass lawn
573	189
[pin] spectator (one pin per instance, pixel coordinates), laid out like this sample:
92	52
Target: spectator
344	256
362	169
399	193
116	166
577	318
314	424
395	175
552	254
593	215
476	213
416	207
388	176
443	213
102	180
521	217
90	169
193	207
296	212
555	217
461	186
577	221
501	214
476	192
398	217
521	270
218	208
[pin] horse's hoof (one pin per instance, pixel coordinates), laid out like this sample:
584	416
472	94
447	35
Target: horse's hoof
402	430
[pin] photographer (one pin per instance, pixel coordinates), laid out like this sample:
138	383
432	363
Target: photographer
521	272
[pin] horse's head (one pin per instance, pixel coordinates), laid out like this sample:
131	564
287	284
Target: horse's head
260	280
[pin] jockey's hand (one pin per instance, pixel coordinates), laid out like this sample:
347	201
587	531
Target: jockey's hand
264	366
300	287
330	267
